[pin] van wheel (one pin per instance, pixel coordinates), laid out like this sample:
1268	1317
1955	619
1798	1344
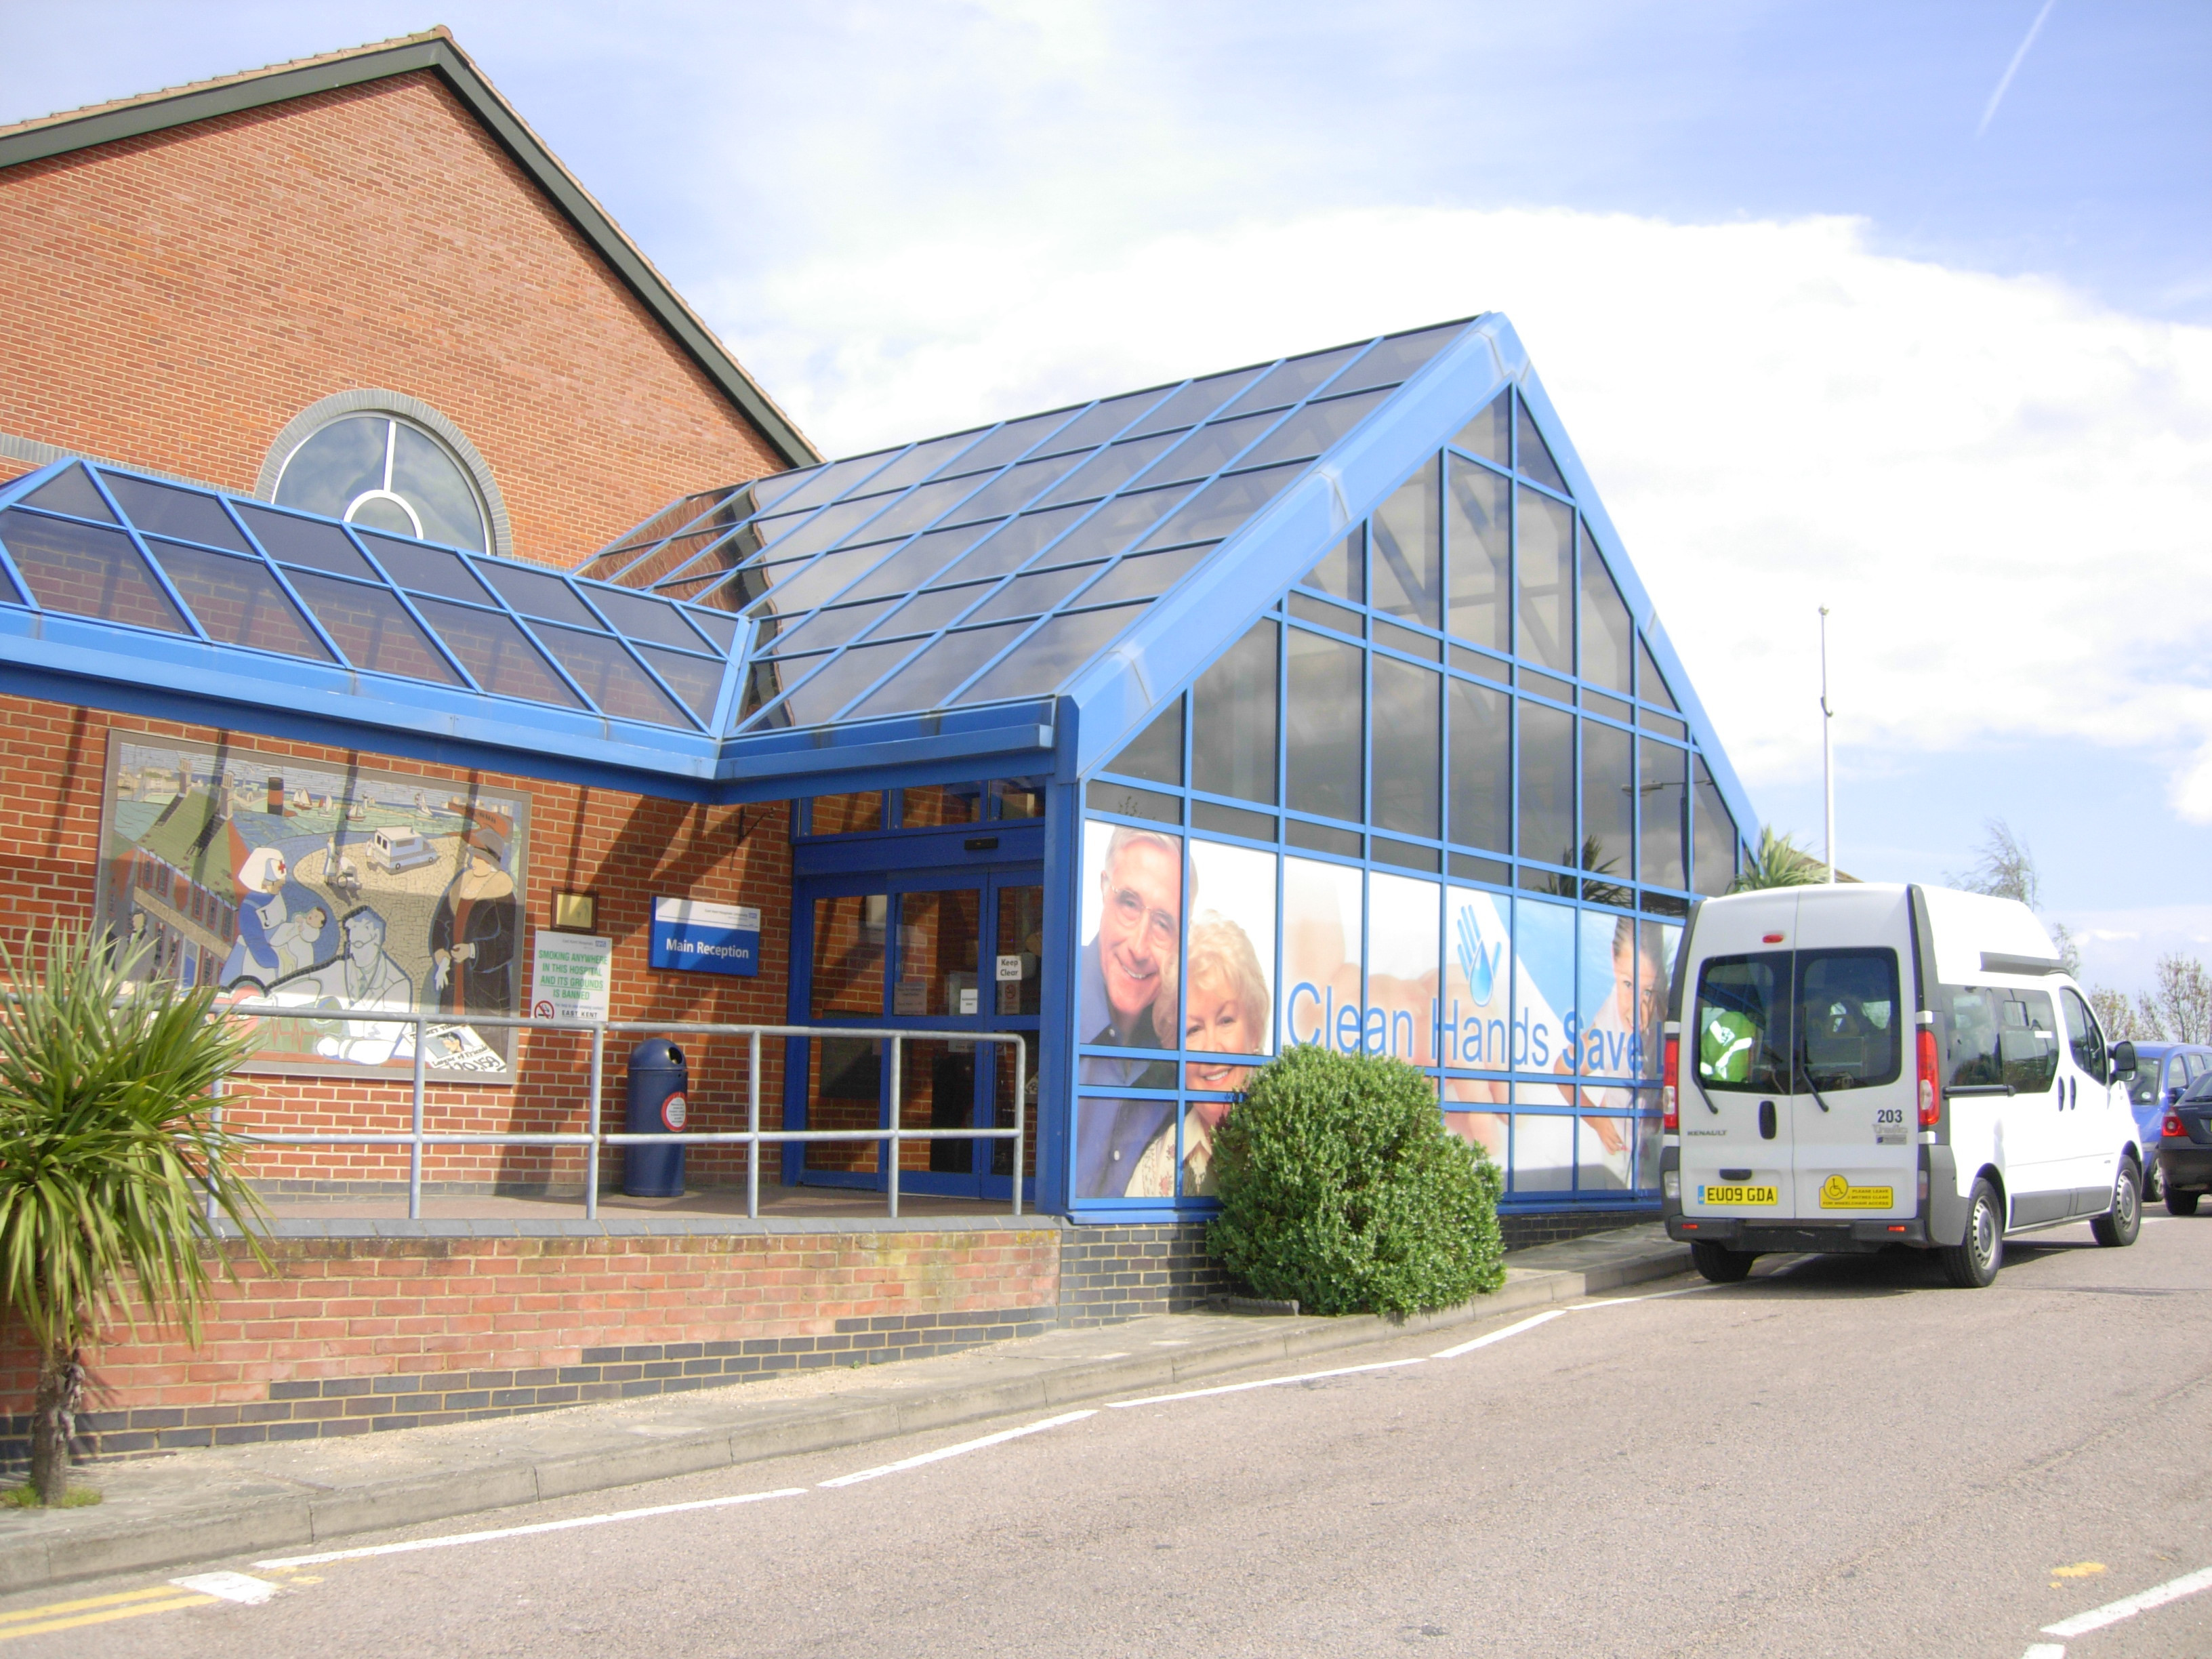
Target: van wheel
2120	1225
1719	1263
2181	1203
1971	1263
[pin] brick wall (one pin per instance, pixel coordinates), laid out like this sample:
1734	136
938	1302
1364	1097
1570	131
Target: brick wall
1108	1274
347	1336
626	847
173	301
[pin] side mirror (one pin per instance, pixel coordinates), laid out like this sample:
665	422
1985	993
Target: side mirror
2124	1059
2173	1096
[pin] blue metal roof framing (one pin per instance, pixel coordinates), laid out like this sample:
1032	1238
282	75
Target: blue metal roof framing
718	553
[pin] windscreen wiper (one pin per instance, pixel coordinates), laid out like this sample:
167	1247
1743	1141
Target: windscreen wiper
1806	1071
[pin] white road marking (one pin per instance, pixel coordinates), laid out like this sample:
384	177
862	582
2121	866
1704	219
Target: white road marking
229	1587
448	1541
1264	1382
943	1452
1528	1324
2128	1606
2044	1650
1655	1295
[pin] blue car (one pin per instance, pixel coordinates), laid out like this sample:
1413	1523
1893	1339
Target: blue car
2163	1073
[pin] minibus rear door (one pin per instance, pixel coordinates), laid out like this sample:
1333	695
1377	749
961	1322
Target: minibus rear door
1734	1097
1853	1113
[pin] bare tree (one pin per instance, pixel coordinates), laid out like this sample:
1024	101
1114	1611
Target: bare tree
2004	866
2180	1010
2116	1015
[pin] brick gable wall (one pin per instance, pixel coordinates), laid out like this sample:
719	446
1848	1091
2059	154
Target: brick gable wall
173	301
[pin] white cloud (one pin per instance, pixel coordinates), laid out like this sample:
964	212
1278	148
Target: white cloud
2004	492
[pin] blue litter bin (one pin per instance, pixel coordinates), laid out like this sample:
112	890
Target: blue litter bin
659	1081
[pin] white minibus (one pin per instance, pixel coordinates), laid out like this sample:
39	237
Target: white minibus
1853	1066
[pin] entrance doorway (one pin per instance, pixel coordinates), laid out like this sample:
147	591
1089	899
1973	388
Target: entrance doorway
953	951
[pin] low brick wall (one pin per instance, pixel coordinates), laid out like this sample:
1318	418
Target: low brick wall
351	1335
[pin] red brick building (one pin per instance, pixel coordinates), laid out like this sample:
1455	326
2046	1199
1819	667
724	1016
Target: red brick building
206	284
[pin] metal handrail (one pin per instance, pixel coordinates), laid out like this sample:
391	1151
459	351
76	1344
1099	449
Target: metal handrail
593	1137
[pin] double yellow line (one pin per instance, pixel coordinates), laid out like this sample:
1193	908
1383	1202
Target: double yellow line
98	1610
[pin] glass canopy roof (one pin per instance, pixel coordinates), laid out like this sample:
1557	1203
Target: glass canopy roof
197	565
995	564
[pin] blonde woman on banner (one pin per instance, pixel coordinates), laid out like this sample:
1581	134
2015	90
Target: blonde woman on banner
1226	1012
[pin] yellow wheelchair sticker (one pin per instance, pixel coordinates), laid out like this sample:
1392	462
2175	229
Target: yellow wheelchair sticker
1837	1193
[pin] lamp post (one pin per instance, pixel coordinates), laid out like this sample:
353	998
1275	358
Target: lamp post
1827	761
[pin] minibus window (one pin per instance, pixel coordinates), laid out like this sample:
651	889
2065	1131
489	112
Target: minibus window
1848	1020
2082	1036
1992	1037
1743	1023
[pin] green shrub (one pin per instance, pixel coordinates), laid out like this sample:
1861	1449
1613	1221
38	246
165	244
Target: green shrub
1342	1189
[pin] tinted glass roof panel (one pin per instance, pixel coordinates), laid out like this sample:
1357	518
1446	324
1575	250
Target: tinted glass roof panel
1398	358
426	568
1010	442
1035	593
918	509
70	492
843	678
609	677
924	613
88	570
918	562
637	618
921	461
496	652
1286	383
1017	487
832	481
1043	661
1207	450
1145	576
1013	546
696	680
827	629
722	629
316	543
1118	522
1313	430
1106	421
238	601
538	593
1195	402
1220	509
372	629
829	526
164	510
1107	470
932	678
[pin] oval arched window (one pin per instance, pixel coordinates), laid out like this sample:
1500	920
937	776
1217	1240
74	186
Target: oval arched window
382	473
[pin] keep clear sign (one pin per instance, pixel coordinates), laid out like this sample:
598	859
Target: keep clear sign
571	976
701	937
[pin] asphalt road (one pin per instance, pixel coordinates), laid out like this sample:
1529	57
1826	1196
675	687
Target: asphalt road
1838	1457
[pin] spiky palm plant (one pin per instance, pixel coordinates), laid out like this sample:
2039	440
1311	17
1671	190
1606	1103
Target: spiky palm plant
108	1152
1779	862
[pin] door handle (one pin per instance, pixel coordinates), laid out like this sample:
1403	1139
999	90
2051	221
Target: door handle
1767	1119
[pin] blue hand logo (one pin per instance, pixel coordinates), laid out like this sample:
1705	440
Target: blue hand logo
1477	960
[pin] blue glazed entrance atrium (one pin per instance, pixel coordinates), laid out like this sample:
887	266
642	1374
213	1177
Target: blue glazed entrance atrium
1314	701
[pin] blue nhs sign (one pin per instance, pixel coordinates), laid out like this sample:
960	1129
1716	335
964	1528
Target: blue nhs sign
700	938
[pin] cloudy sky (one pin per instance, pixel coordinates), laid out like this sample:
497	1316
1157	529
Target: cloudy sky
1902	309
